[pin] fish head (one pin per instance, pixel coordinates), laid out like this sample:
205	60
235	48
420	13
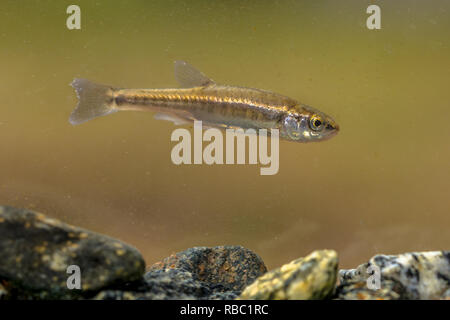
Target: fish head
306	124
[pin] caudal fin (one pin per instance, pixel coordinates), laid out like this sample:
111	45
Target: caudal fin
94	100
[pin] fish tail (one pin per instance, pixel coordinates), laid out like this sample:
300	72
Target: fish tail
94	100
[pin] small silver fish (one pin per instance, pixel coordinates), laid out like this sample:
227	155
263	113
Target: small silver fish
200	98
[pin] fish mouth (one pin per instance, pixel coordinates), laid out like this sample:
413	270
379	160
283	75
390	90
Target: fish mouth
332	127
332	130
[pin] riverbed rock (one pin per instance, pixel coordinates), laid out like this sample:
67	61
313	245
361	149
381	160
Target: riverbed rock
360	291
225	268
200	273
35	252
311	277
417	275
169	284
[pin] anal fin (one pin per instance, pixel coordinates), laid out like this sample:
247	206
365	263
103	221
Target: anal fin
171	117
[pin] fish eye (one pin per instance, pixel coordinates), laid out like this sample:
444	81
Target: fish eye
291	126
316	123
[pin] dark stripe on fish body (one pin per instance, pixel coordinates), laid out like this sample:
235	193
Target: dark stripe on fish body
231	105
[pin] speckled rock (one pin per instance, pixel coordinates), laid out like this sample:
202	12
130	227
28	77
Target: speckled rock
228	268
169	284
197	273
175	284
360	291
35	252
312	277
418	275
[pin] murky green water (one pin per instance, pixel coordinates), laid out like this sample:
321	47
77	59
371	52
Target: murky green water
381	186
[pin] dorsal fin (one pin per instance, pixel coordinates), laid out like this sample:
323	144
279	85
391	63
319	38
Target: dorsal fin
188	77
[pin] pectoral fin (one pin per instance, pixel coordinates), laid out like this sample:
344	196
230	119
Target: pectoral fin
189	77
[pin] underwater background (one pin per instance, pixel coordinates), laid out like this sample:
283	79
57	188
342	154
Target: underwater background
382	185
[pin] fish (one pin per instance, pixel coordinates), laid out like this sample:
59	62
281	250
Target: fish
200	98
